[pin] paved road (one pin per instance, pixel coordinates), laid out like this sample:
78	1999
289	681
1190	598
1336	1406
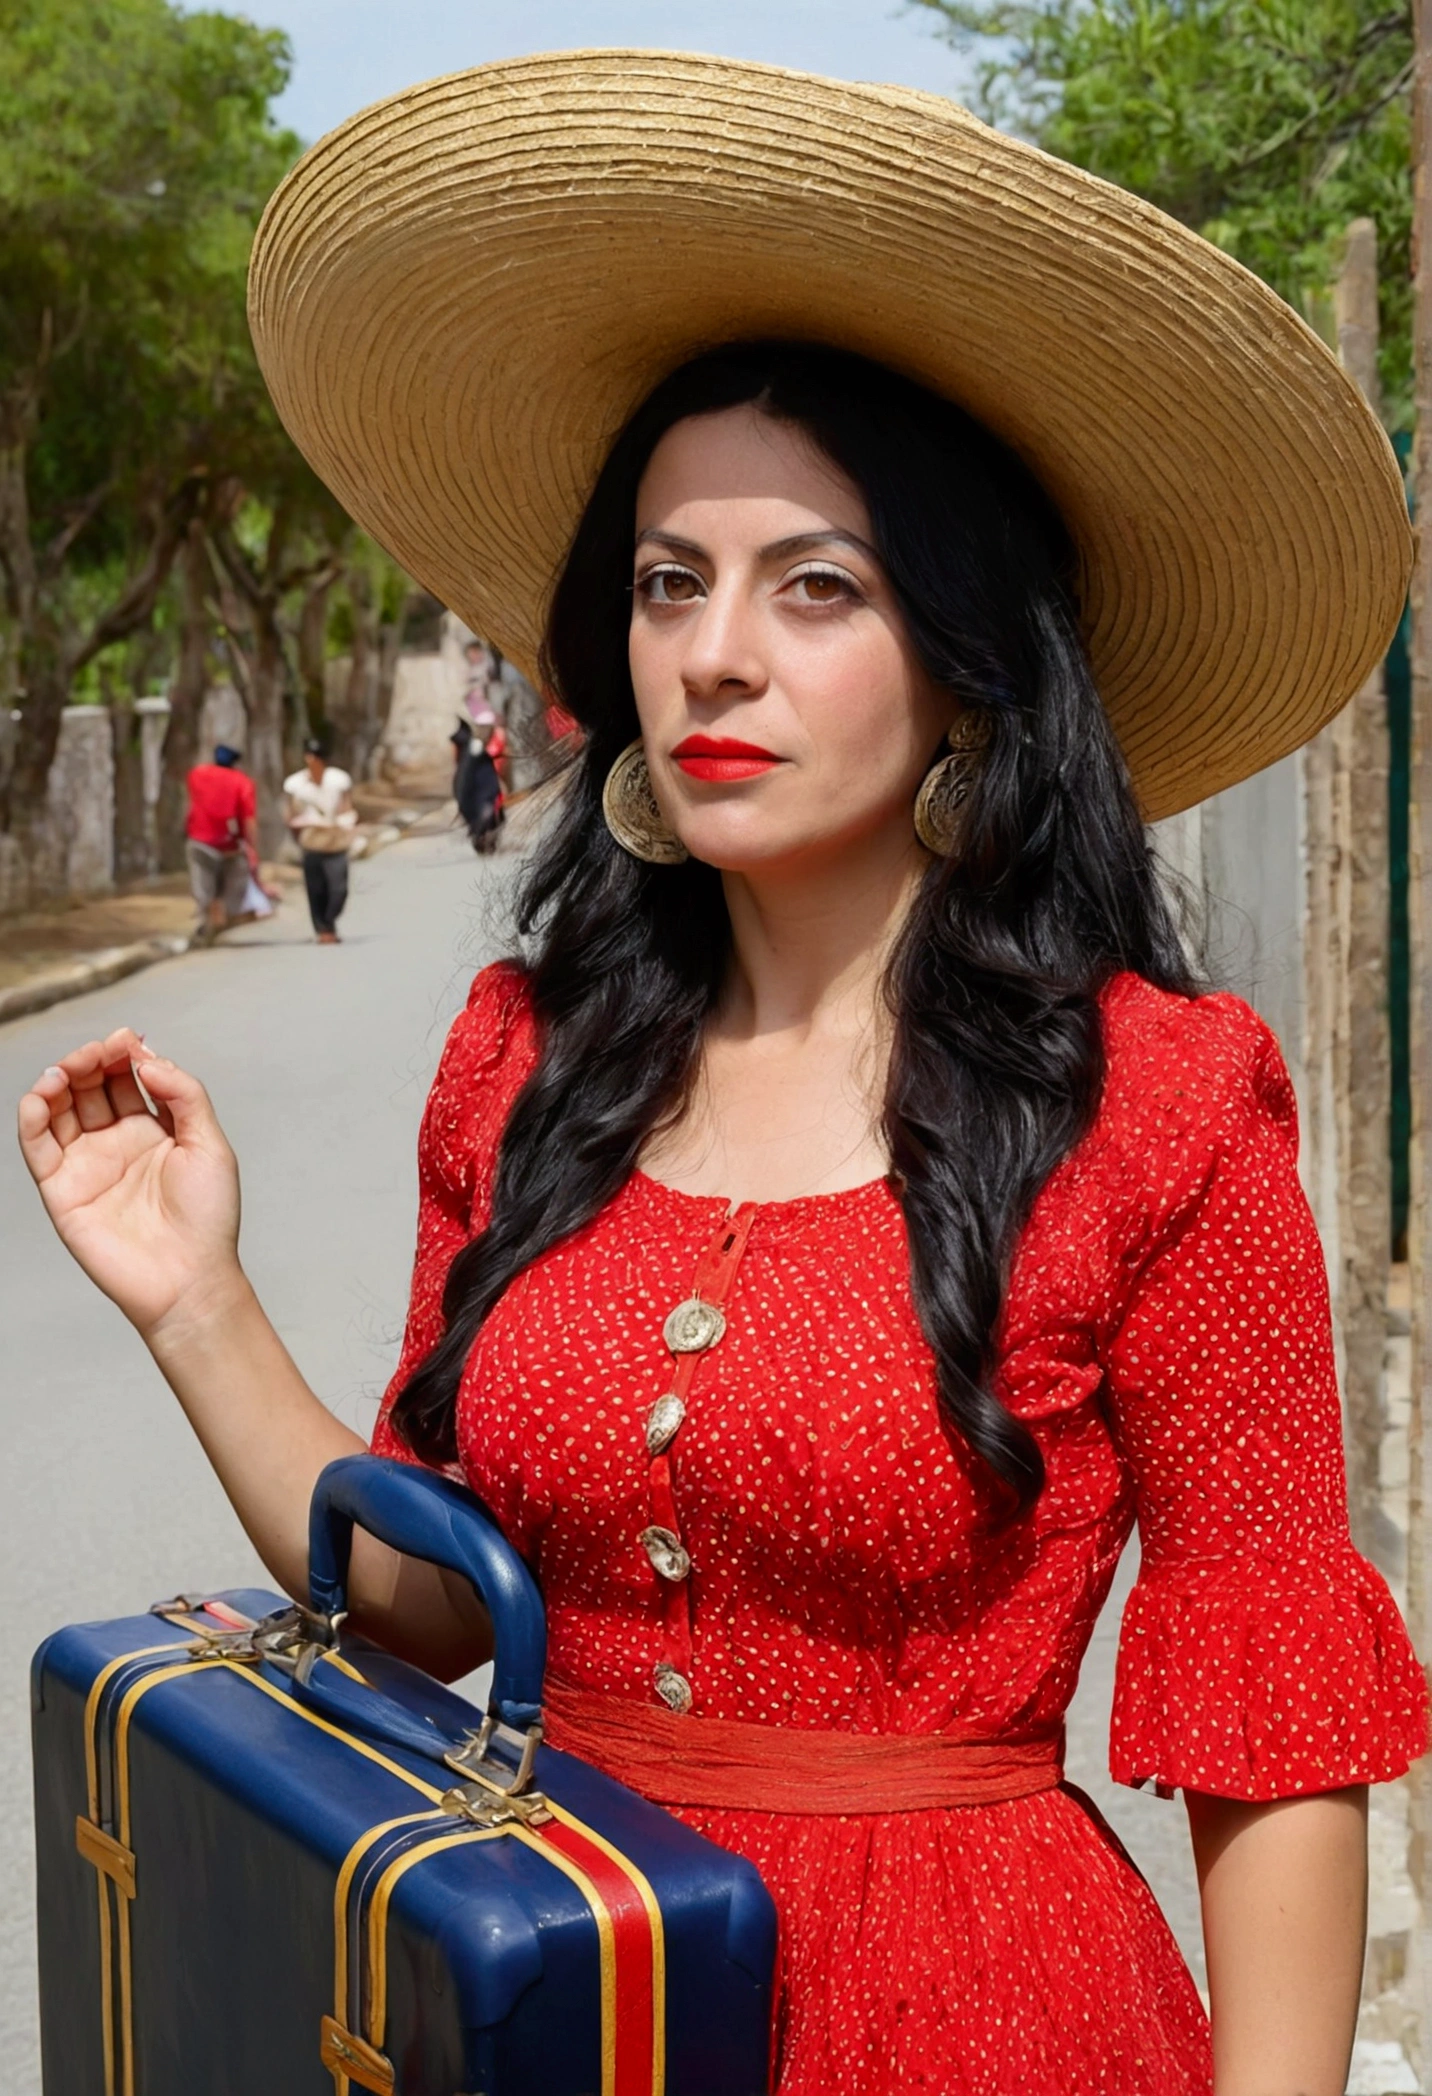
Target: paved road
319	1062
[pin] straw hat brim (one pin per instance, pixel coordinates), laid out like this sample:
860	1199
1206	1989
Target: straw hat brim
460	295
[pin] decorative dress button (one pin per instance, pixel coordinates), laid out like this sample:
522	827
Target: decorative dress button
666	1553
663	1422
693	1326
674	1689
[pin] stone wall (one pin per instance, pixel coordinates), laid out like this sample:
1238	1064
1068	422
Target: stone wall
427	704
222	718
73	843
81	800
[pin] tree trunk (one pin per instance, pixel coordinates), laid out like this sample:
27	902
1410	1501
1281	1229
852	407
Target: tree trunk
1419	1570
186	697
268	690
312	659
17	557
390	648
359	721
131	843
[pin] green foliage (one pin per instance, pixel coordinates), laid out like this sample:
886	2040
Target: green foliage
372	590
1266	125
136	152
153	513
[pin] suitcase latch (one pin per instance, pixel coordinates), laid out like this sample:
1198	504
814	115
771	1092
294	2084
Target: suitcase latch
492	1808
496	1790
292	1638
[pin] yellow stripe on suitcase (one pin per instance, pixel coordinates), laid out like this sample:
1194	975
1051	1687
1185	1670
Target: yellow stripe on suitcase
350	2059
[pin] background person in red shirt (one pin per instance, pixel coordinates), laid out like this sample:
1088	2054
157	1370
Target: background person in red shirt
222	835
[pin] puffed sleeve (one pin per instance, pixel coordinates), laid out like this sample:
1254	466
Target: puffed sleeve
1260	1656
487	1055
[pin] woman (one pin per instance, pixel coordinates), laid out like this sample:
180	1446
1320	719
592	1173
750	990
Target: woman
476	782
851	1216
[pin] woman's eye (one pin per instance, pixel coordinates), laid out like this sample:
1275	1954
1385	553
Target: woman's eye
823	586
670	586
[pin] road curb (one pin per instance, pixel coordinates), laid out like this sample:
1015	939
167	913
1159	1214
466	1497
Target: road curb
96	972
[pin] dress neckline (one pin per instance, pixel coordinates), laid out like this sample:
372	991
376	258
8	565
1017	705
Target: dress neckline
867	1190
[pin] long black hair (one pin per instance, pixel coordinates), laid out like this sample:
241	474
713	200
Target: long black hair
996	1064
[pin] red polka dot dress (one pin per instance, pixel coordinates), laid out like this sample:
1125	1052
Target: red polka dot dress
1165	1335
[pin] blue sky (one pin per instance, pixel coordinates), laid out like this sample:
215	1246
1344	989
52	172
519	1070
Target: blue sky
350	52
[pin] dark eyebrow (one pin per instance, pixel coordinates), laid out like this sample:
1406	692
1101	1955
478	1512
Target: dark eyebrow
807	541
669	538
779	549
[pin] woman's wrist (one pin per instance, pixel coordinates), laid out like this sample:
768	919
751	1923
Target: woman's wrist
209	1307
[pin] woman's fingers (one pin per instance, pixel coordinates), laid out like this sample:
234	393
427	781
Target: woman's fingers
40	1146
125	1095
53	1087
92	1102
121	1051
100	1079
92	1087
183	1100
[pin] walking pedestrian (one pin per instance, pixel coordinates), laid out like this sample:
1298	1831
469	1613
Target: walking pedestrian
322	817
477	784
221	840
850	1211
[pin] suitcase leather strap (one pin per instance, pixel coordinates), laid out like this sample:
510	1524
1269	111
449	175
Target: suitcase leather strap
624	1909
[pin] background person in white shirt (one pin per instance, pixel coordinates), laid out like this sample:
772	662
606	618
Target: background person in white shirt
322	818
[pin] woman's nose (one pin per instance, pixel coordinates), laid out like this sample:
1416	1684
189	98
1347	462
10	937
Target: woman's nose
722	657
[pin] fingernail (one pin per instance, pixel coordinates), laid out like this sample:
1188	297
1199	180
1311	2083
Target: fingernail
134	1061
53	1070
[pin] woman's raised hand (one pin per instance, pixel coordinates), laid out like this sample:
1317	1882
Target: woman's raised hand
147	1202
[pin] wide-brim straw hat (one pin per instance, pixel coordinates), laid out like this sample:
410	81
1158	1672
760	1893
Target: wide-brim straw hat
460	295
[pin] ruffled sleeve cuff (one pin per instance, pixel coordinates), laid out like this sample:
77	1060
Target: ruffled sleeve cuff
1266	1676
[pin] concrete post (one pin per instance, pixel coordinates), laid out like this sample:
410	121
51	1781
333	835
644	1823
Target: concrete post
1356	875
153	727
80	803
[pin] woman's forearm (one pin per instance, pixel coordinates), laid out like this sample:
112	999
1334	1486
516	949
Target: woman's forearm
1284	1890
268	1436
261	1426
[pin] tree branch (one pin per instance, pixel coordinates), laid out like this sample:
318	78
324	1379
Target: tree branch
237	568
1348	128
136	605
53	558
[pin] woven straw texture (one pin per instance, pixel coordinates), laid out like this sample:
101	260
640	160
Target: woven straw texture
460	294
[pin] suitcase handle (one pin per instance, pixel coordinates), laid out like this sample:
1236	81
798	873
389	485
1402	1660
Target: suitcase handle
434	1518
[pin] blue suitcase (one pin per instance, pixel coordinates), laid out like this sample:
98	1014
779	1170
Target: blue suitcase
274	1863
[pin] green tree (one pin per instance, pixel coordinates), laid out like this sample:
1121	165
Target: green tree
1266	125
137	149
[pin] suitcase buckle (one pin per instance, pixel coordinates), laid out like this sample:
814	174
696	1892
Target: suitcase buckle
495	1790
493	1808
296	1638
291	1638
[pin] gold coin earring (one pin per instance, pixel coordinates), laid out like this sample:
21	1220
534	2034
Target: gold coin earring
946	787
632	814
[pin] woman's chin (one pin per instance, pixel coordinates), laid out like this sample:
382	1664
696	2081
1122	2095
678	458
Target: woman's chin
756	847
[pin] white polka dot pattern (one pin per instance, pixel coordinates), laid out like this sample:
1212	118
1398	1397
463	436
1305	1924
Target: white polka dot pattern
1166	1336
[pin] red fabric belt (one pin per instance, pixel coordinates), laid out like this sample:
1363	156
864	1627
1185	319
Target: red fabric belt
786	1768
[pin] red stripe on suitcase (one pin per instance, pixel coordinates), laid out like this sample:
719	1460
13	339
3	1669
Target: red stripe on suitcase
638	2019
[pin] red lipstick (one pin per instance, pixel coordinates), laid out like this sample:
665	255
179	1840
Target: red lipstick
721	757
